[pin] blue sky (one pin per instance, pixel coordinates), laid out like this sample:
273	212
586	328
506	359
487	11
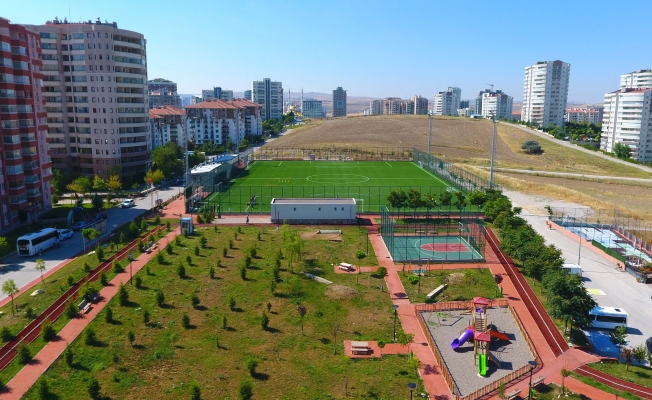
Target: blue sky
374	48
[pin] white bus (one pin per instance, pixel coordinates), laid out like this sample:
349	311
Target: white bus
37	242
608	317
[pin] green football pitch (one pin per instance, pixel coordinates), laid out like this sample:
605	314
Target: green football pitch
368	182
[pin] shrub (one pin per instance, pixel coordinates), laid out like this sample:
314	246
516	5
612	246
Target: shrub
123	295
253	252
89	336
264	321
69	356
231	303
197	249
203	241
224	252
258	236
211	272
169	249
532	147
200	220
104	280
99	252
185	321
138	282
247	261
177	240
157	220
195	393
87	268
230	244
181	271
133	230
360	254
117	267
381	272
6	335
160	258
189	260
108	315
160	298
24	355
146	317
131	337
269	306
29	313
94	389
251	365
243	272
245	390
218	263
168	226
224	322
194	300
47	330
70	280
71	310
122	236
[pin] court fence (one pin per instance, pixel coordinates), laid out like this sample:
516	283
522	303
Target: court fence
333	153
455	237
454	176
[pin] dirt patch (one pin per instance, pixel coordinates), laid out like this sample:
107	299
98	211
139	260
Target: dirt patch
456	278
333	237
340	292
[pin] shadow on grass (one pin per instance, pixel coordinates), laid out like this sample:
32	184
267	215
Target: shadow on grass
273	330
115	322
166	306
325	340
138	347
201	308
230	329
260	376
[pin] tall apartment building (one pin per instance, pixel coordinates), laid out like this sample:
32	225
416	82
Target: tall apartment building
269	95
447	103
396	105
217	93
218	121
247	95
496	104
420	105
637	79
545	93
589	115
628	120
25	166
478	99
339	102
95	82
162	92
311	108
168	124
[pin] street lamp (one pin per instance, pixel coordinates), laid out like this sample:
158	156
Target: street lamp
131	271
395	313
493	152
429	135
420	275
367	241
533	365
412	386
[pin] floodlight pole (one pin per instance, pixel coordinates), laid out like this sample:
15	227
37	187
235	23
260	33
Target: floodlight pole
429	136
493	152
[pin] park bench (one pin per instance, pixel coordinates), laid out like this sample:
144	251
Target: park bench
511	395
538	381
346	267
84	306
360	347
436	291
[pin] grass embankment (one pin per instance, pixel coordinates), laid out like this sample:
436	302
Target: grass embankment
604	388
463	284
637	374
167	359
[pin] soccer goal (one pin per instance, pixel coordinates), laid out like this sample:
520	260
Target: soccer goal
335	157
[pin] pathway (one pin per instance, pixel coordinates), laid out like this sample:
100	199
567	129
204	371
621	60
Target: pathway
28	376
567	174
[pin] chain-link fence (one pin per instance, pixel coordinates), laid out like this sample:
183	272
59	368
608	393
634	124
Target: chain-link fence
454	176
333	153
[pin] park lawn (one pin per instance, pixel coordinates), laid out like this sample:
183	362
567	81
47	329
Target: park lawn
465	284
604	388
553	392
166	359
637	374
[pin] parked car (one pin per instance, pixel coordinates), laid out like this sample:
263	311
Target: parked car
648	344
80	225
128	203
100	217
65	234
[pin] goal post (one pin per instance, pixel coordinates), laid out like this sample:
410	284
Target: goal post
334	157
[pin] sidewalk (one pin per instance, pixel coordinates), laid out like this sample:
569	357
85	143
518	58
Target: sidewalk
27	377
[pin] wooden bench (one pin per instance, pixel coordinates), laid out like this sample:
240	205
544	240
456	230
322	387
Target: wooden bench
538	381
84	306
346	268
436	291
513	394
360	348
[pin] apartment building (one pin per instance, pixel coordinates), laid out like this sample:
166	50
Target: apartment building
545	93
167	124
25	166
396	105
447	103
637	79
269	95
247	95
218	121
464	103
588	115
628	120
496	104
311	108
339	102
95	82
420	105
217	93
162	92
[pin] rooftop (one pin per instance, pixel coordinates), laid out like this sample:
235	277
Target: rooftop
221	104
162	111
315	201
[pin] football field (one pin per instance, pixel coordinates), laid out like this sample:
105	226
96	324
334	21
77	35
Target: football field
369	182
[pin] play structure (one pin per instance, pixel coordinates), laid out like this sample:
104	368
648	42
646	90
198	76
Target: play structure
481	333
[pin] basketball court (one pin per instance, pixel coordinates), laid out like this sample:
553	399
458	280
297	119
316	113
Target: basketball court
434	248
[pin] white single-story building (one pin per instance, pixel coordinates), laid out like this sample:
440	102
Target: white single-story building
314	211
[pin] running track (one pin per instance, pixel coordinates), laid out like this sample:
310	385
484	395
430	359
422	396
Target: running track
614	382
554	339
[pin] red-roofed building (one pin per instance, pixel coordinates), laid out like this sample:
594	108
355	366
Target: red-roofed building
168	124
218	121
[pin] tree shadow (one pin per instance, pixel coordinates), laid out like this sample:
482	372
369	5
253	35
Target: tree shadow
143	287
273	330
325	340
255	268
115	322
132	304
80	367
237	309
201	308
138	347
167	306
230	329
260	376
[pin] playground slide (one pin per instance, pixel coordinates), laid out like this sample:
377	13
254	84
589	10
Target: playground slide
482	364
466	335
498	335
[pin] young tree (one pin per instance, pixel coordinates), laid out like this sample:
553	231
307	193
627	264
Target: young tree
123	295
251	365
622	150
532	147
99	184
94	389
24	355
131	337
618	337
113	183
627	354
564	374
69	356
10	289
264	321
40	267
4	246
302	313
160	298
155	176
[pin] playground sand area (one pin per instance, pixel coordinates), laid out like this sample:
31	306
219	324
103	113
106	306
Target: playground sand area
512	354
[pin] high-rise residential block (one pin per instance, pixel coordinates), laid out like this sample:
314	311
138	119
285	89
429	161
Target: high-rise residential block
217	93
628	120
591	115
496	104
269	95
162	92
545	93
25	166
339	102
95	82
447	103
637	79
420	105
311	108
247	95
218	121
396	105
168	124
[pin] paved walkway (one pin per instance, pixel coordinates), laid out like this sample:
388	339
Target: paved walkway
544	173
28	376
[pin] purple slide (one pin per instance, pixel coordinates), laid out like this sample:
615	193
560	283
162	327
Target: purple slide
463	338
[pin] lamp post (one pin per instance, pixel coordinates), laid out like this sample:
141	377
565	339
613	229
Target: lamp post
533	365
412	386
493	152
395	313
131	273
429	135
367	241
420	275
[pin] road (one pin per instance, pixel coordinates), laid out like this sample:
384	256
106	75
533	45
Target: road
22	269
610	287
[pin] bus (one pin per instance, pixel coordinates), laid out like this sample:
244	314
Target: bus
37	242
608	317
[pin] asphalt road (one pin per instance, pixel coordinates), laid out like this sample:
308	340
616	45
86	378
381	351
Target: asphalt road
22	269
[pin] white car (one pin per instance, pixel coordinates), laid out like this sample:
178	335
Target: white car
65	234
128	203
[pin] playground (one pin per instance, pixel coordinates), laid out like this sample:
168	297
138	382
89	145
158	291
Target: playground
472	364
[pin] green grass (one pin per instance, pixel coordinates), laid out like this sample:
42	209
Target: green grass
604	388
167	359
463	284
638	374
369	181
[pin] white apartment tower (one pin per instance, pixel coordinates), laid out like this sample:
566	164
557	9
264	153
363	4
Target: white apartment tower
637	79
218	121
269	95
95	81
496	104
545	93
168	124
628	119
447	103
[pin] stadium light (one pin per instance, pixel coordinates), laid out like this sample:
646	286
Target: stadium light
429	135
493	151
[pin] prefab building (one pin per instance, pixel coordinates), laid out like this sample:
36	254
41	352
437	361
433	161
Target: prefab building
314	211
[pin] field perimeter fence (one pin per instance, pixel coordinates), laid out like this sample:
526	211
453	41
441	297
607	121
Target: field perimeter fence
335	154
454	176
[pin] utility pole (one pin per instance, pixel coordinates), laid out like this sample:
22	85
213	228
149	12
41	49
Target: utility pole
493	152
429	135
